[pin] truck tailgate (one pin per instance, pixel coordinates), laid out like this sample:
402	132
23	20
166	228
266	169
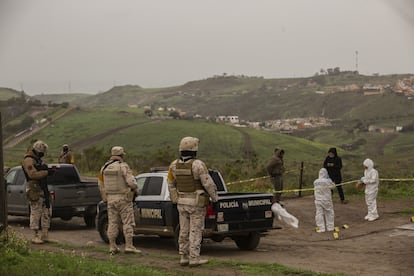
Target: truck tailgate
241	212
78	195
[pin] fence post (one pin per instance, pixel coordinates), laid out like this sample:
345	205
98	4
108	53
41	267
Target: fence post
3	188
300	179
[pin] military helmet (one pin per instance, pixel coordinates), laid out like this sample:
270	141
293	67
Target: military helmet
189	143
117	150
40	146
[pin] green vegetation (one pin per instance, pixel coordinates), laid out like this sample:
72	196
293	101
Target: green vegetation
16	258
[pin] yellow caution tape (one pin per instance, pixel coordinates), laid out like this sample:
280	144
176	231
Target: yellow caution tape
312	188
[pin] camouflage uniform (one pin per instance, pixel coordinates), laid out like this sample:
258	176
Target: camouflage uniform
66	155
39	213
275	169
119	199
191	214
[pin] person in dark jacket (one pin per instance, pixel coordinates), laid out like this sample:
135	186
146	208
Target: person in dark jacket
333	164
275	169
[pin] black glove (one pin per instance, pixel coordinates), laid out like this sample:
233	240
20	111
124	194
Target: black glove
41	167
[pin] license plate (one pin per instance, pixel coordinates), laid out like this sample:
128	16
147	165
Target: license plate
222	227
268	214
80	209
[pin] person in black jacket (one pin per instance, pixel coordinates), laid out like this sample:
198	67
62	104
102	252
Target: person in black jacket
333	164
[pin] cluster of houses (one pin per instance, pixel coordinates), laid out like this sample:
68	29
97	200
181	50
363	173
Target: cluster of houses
280	125
404	87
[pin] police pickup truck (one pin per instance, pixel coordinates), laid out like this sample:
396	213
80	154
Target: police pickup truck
69	195
243	217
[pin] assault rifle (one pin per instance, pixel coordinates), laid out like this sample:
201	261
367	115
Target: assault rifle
43	182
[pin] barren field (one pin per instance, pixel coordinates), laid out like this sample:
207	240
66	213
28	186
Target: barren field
382	247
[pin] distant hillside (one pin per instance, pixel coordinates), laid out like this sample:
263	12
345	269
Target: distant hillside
7	93
259	99
70	98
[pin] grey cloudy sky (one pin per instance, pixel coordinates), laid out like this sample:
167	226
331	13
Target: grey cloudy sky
57	46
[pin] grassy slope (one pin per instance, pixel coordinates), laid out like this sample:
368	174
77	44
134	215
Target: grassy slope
218	142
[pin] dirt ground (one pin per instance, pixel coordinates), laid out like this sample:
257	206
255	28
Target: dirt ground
382	247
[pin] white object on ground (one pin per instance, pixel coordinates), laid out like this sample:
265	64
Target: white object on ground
284	216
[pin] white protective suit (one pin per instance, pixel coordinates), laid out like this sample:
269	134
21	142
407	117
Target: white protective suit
323	201
371	179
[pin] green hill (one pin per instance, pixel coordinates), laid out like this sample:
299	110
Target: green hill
259	99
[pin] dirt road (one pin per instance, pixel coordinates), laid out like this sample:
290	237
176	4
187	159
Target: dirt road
382	247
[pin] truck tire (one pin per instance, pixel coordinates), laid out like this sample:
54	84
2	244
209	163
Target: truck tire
103	229
89	220
249	242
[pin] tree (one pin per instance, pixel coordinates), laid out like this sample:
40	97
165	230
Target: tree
148	112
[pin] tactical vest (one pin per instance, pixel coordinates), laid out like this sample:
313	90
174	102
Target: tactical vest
185	178
114	182
38	162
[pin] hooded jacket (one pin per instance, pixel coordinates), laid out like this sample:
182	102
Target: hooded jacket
323	186
275	167
334	166
371	177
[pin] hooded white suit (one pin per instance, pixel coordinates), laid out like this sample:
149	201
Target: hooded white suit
323	201
371	179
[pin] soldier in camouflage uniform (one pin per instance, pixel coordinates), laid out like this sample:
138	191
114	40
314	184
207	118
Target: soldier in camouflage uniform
118	188
190	186
66	155
36	172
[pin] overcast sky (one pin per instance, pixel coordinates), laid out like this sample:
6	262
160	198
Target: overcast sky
60	46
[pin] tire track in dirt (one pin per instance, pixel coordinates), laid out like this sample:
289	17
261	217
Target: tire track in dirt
247	147
90	141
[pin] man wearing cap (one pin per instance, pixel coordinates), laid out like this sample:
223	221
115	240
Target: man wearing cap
190	186
118	187
66	155
36	172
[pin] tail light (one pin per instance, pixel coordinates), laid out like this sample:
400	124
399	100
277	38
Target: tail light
210	214
52	195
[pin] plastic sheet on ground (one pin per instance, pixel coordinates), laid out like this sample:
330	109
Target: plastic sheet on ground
284	216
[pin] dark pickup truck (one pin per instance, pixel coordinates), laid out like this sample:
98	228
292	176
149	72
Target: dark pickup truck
243	217
69	195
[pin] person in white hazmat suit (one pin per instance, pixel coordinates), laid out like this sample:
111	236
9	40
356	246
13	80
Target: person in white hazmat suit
371	180
324	216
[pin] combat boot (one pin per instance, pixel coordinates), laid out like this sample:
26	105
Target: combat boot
129	247
45	235
113	249
132	250
198	262
36	239
184	260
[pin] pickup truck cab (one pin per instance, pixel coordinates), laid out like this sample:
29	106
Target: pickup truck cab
69	195
243	217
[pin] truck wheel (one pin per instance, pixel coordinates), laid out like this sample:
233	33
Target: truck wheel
89	220
103	230
249	242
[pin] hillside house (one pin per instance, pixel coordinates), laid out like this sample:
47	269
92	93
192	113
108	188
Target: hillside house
369	89
234	119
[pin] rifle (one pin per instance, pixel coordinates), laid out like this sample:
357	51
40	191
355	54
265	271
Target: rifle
43	182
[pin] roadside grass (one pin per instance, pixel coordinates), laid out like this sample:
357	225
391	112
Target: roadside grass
16	258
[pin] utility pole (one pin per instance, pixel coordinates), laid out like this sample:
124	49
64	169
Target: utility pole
3	193
356	60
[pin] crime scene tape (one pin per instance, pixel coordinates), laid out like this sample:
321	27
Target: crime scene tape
252	179
312	188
